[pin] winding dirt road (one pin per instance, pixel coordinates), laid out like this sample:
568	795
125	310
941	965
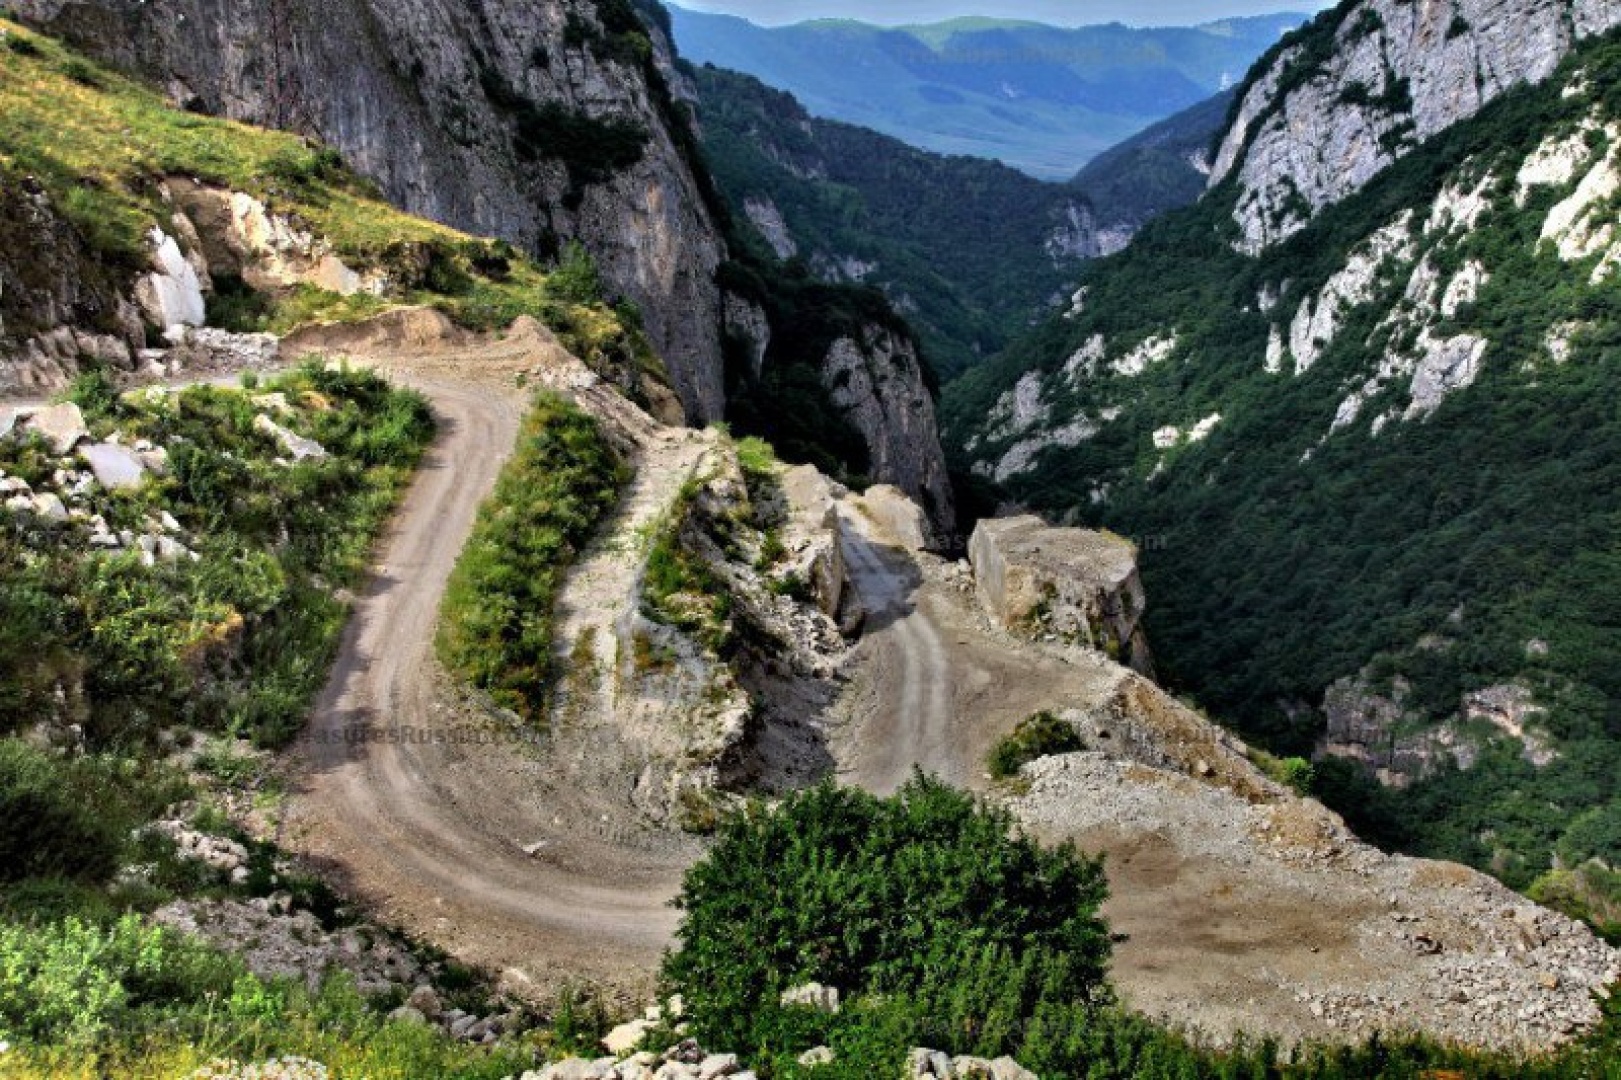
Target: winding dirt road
445	821
910	725
524	857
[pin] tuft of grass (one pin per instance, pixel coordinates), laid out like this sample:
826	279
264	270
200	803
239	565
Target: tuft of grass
1038	736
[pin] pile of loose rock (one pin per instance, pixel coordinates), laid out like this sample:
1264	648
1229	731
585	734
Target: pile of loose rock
684	1061
687	1060
277	942
108	465
225	855
923	1062
424	1006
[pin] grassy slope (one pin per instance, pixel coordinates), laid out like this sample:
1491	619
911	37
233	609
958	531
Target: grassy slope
101	144
496	628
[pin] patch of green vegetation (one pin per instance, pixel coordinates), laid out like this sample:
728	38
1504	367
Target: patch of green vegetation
496	620
85	999
239	638
1038	736
1295	773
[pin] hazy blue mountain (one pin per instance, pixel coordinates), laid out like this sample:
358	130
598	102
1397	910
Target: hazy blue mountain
971	250
1043	99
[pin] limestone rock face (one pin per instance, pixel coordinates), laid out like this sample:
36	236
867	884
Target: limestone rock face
171	296
1398	73
811	535
876	381
427	98
746	322
1072	583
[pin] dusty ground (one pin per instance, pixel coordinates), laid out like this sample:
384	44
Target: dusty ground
427	808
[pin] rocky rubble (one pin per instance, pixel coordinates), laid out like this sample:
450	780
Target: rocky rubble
277	941
1437	948
923	1062
687	1060
111	465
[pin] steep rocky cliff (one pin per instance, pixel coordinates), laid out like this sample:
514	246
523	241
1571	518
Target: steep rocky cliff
541	124
1343	98
58	301
536	122
876	381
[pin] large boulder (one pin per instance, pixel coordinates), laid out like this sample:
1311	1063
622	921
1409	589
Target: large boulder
117	468
810	535
1075	584
60	425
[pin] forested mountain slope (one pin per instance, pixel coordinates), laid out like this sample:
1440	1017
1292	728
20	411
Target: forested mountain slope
1374	463
970	250
1043	99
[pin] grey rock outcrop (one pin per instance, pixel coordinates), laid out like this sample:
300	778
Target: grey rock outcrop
810	536
745	321
877	383
1377	727
1398	72
1073	583
427	98
58	302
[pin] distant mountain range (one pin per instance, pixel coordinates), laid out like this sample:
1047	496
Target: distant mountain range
1042	99
970	250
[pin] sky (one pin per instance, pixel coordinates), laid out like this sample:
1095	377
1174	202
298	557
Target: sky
1056	12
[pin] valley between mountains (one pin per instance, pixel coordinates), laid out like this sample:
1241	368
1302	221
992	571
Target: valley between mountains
513	546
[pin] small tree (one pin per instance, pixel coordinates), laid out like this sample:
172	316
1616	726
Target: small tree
934	917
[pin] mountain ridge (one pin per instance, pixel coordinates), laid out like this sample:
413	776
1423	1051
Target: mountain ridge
1368	461
1039	98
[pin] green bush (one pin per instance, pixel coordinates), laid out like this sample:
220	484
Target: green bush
1038	736
55	821
241	636
496	621
73	982
935	919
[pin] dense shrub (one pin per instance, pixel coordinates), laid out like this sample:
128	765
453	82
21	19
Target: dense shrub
926	904
73	982
54	818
